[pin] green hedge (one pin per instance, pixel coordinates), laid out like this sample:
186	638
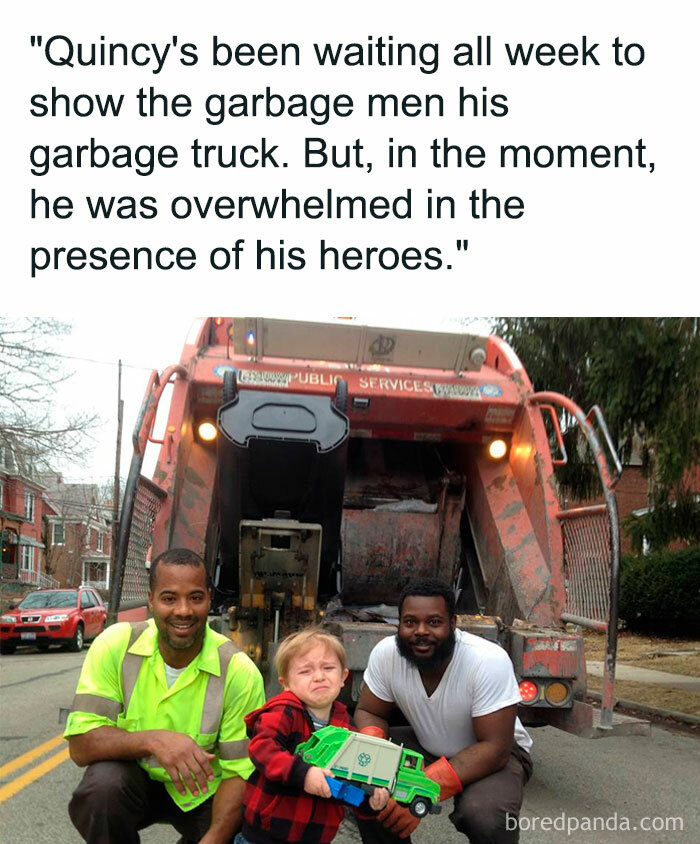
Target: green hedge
660	593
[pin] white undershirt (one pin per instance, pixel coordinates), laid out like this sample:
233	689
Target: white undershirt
479	680
171	674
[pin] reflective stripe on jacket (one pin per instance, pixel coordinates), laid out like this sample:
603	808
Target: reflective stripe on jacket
123	684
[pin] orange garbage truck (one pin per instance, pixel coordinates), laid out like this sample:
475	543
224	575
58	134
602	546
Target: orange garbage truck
319	467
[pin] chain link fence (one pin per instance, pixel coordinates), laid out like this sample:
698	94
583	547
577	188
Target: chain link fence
146	506
587	559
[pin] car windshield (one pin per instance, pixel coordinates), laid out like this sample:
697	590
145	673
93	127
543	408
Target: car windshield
40	600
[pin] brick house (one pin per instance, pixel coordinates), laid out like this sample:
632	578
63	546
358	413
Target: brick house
78	533
633	498
23	507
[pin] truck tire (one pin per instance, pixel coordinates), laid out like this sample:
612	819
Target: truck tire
78	640
340	400
420	807
230	385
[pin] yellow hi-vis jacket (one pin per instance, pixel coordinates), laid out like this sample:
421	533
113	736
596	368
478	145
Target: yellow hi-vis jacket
122	684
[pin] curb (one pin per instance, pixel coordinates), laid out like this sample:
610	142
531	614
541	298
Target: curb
683	717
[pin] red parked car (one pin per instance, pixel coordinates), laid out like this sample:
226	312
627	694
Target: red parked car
53	617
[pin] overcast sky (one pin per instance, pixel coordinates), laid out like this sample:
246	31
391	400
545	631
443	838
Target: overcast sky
95	345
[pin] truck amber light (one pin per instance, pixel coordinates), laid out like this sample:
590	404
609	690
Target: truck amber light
206	431
556	693
497	449
528	691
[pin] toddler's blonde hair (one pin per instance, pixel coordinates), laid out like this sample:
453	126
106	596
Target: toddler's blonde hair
301	642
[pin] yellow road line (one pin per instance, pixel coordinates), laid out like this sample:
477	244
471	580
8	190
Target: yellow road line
30	756
32	774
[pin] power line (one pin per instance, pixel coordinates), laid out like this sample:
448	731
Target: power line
46	353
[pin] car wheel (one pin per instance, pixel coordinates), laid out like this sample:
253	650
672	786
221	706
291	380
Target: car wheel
7	649
420	807
78	640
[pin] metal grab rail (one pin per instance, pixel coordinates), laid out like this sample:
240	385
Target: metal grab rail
609	542
143	431
564	459
597	413
141	435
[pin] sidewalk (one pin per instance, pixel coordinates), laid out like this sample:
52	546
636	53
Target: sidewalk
647	675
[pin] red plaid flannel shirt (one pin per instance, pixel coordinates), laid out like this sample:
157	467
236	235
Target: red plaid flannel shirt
276	807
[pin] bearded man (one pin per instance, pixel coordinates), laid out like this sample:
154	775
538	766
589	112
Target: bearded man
459	694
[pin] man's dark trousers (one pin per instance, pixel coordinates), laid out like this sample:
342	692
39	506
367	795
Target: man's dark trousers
480	811
116	799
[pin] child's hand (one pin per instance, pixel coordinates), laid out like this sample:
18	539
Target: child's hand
315	782
379	799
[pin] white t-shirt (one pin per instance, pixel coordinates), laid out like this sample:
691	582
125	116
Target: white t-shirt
479	680
171	674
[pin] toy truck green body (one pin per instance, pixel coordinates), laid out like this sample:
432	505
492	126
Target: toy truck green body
368	761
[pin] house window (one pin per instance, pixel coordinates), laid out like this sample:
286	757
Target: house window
58	533
100	541
96	573
29	506
27	558
2	496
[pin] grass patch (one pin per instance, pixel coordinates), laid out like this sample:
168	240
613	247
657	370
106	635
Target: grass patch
645	651
676	699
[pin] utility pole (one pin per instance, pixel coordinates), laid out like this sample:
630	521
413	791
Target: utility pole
112	616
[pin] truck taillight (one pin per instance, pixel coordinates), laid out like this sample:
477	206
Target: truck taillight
528	691
556	693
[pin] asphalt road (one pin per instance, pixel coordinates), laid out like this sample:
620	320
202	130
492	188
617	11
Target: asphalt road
576	782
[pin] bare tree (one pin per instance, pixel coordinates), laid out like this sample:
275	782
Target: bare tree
30	373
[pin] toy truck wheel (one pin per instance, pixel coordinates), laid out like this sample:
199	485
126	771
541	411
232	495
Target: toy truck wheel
420	807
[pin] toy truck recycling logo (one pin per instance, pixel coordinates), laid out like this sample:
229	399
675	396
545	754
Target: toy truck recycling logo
367	761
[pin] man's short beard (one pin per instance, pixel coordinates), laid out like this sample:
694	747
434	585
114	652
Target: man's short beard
178	644
440	656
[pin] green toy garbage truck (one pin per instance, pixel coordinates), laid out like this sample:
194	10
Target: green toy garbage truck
367	761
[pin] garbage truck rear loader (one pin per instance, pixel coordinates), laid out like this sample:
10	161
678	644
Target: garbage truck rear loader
319	468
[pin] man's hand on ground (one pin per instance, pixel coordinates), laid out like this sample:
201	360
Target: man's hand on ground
315	782
184	760
398	819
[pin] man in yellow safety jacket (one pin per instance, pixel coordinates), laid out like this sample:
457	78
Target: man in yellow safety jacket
158	718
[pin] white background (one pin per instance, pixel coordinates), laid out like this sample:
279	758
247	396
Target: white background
592	241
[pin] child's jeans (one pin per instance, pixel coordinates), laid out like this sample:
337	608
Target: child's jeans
240	839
